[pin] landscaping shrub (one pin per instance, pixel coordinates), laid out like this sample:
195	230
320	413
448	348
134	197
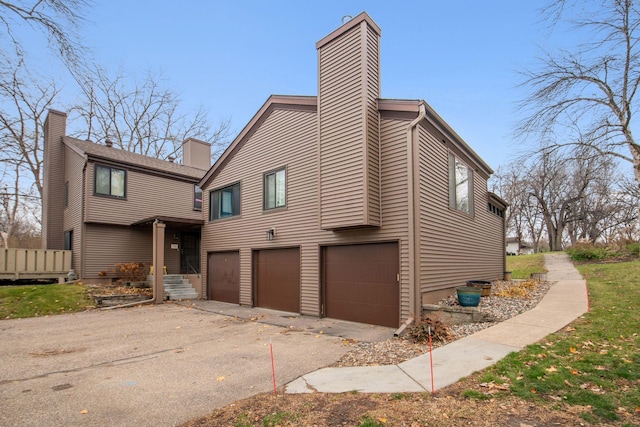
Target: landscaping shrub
586	251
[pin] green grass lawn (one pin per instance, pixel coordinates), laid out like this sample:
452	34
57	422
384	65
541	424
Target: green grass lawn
42	300
522	266
593	365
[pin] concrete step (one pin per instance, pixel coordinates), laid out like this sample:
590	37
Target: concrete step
177	287
183	295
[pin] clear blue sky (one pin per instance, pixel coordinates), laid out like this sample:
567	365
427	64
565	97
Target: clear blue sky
229	56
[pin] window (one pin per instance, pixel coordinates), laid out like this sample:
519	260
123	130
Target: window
275	189
68	240
110	181
224	202
460	185
496	210
197	198
66	194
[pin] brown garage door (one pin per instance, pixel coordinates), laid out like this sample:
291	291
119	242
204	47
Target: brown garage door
223	276
277	273
361	283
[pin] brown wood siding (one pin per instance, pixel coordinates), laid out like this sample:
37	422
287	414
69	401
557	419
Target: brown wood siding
73	174
146	196
348	130
107	245
372	70
288	137
277	279
454	247
53	181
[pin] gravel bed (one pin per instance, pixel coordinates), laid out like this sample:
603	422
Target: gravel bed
508	299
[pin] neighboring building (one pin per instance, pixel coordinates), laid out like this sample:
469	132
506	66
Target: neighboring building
346	205
517	247
100	202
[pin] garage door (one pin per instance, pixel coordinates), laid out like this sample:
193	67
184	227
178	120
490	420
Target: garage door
277	273
223	276
361	283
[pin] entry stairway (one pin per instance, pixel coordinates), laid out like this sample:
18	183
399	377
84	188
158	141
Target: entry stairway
177	287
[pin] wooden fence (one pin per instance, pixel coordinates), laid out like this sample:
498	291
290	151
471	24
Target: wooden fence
18	264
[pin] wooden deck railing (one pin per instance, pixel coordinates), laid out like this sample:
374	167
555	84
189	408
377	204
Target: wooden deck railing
18	264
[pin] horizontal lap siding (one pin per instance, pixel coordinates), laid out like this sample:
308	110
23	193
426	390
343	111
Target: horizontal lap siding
107	245
349	130
146	196
454	247
288	138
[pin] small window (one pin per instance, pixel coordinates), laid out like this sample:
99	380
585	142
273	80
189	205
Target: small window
275	189
66	194
68	240
197	198
110	181
224	202
460	185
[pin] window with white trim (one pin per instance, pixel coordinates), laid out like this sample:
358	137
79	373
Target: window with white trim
460	185
275	189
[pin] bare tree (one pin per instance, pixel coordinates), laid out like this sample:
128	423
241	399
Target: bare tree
59	19
25	100
142	117
587	96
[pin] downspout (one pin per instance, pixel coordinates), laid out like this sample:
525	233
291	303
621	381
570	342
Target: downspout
414	250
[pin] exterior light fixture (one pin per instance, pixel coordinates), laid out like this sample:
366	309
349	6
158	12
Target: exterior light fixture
271	234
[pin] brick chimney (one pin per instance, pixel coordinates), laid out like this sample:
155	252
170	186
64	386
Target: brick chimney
196	153
349	125
55	127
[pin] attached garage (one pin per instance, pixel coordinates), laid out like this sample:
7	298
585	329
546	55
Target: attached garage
360	283
223	276
277	279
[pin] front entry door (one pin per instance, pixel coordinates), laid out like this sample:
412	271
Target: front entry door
189	253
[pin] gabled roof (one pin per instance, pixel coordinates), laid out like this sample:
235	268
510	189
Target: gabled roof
309	103
98	152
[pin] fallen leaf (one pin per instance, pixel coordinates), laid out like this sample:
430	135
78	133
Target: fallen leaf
84	411
533	390
568	383
552	369
573	350
569	329
574	372
220	379
382	420
488	358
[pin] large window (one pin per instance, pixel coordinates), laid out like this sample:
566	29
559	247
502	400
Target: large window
275	189
224	202
460	185
197	198
110	181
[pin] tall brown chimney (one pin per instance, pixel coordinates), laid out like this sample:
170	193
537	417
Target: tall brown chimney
55	127
349	123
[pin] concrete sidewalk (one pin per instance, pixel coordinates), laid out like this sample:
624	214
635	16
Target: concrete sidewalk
564	302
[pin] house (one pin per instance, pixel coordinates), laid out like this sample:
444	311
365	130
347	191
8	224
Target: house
100	202
517	247
342	205
347	205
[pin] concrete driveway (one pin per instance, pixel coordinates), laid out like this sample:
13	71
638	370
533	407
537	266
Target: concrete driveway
156	365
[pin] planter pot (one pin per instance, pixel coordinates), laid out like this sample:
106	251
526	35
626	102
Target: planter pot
469	296
507	276
485	286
